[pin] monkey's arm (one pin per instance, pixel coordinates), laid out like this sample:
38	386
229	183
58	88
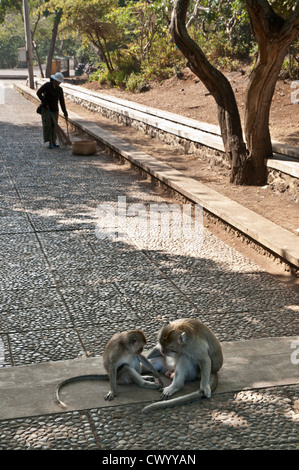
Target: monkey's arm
180	374
205	374
112	378
145	362
155	352
165	365
157	359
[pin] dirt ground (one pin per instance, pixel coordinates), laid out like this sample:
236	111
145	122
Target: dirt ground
189	97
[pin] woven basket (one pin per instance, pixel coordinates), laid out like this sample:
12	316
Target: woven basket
84	147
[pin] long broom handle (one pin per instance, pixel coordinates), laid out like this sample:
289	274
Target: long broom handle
56	123
67	127
67	137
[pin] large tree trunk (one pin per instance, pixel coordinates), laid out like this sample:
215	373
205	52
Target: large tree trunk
273	34
220	88
53	42
248	166
258	103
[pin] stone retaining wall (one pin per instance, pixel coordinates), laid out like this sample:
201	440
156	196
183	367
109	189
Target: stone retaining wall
278	181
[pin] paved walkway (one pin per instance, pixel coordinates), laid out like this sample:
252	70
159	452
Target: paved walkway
66	290
272	237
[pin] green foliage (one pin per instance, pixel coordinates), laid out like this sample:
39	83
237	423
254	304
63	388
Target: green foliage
90	20
290	66
135	81
84	54
98	75
11	32
226	63
6	6
145	50
132	37
223	32
9	51
107	77
283	7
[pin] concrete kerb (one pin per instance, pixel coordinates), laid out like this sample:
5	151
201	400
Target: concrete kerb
273	238
29	390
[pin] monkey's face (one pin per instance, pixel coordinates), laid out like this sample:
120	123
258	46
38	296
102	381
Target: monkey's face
170	341
136	341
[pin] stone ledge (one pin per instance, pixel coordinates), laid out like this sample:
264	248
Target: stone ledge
29	390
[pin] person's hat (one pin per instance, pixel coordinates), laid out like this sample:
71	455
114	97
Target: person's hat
58	77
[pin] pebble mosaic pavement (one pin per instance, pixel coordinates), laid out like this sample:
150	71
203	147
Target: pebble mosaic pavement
64	292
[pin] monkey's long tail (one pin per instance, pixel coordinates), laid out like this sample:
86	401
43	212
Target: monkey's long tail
183	400
159	405
79	378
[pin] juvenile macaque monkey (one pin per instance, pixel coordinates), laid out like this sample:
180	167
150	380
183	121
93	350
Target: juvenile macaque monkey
191	350
122	360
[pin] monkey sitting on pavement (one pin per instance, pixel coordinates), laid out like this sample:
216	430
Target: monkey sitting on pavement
122	360
194	351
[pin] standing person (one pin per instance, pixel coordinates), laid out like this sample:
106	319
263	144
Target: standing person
49	94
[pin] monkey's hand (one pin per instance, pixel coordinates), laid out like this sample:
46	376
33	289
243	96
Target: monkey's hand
167	392
110	395
148	378
205	392
152	385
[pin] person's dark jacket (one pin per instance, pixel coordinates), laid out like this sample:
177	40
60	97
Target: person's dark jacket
50	95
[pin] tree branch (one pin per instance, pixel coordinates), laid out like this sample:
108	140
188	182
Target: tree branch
265	22
292	23
197	8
